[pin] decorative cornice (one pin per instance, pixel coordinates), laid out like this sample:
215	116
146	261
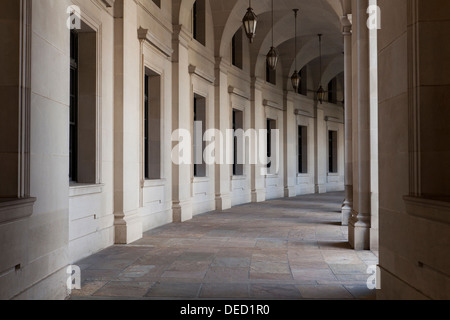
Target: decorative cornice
194	70
272	104
301	112
146	35
238	92
108	3
333	119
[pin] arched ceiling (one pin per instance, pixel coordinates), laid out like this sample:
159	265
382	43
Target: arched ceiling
317	16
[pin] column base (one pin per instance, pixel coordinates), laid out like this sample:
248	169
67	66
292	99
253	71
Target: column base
223	202
289	192
128	228
321	188
374	241
258	195
359	232
182	211
346	213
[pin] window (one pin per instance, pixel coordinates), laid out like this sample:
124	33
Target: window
238	146
271	75
271	125
73	141
157	2
332	152
332	91
199	21
83	106
302	149
199	131
152	125
303	87
237	50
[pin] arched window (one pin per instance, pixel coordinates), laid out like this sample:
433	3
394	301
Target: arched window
199	21
237	49
271	75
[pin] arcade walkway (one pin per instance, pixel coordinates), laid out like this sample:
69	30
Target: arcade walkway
282	249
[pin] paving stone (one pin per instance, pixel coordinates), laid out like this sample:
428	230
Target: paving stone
361	292
348	268
184	274
88	288
231	262
174	290
192	266
324	292
313	274
224	291
124	289
137	271
274	291
281	249
270	276
227	274
269	267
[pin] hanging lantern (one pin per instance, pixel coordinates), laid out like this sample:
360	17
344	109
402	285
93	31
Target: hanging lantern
250	20
320	92
321	95
295	79
272	58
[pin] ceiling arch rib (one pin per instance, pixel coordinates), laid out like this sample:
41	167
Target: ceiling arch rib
320	16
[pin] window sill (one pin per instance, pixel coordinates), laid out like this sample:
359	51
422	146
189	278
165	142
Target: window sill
200	179
333	174
15	209
79	189
238	178
154	183
429	209
302	175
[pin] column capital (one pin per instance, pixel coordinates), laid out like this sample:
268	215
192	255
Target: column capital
222	64
346	23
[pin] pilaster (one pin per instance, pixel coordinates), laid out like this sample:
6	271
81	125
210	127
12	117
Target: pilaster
222	122
359	223
181	119
348	202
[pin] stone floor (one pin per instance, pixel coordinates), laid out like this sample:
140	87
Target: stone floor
280	250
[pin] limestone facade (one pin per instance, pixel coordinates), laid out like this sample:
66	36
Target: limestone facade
146	70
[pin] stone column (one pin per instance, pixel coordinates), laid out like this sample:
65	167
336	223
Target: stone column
348	202
359	224
181	119
222	123
257	122
127	222
320	152
290	139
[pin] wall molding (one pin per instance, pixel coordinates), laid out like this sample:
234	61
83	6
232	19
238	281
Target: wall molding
194	70
146	35
429	209
15	209
272	104
238	92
